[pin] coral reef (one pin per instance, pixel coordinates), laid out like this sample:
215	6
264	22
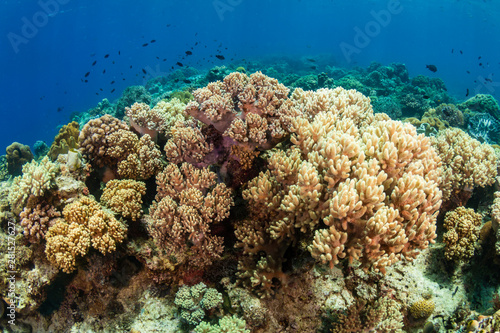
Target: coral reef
482	103
484	128
37	220
228	324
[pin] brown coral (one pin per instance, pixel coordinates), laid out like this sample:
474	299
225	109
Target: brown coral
17	155
462	232
37	220
188	201
66	139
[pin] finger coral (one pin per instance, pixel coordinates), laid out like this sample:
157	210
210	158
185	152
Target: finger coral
36	221
466	163
124	197
85	225
366	191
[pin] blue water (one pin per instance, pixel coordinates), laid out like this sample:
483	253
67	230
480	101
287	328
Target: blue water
43	67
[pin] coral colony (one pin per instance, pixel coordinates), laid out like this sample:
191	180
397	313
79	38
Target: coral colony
346	201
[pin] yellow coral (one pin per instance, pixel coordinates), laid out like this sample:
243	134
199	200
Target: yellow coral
66	139
422	308
124	197
85	224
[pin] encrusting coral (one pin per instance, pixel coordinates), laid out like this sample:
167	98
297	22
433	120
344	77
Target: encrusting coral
85	224
466	163
462	232
374	186
124	197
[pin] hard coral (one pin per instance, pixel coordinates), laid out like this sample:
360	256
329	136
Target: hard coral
17	155
66	139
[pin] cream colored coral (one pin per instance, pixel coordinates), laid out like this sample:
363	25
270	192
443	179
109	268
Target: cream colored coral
85	224
143	162
124	197
466	162
373	184
37	179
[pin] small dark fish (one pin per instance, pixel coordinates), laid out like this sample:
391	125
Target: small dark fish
106	56
97	93
104	71
100	89
119	53
479	58
112	82
59	109
42	97
452	50
220	57
489	80
461	52
113	90
165	59
95	62
123	79
186	81
144	71
189	53
468	72
168	25
145	44
158	58
87	74
179	64
130	66
426	97
195	43
172	67
86	81
432	68
153	41
311	60
480	64
113	62
313	67
467	94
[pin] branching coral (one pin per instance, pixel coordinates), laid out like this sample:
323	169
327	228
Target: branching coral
374	187
124	197
462	231
85	224
188	201
466	162
194	301
36	180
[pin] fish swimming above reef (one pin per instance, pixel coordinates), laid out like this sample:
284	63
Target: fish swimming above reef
220	57
432	68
